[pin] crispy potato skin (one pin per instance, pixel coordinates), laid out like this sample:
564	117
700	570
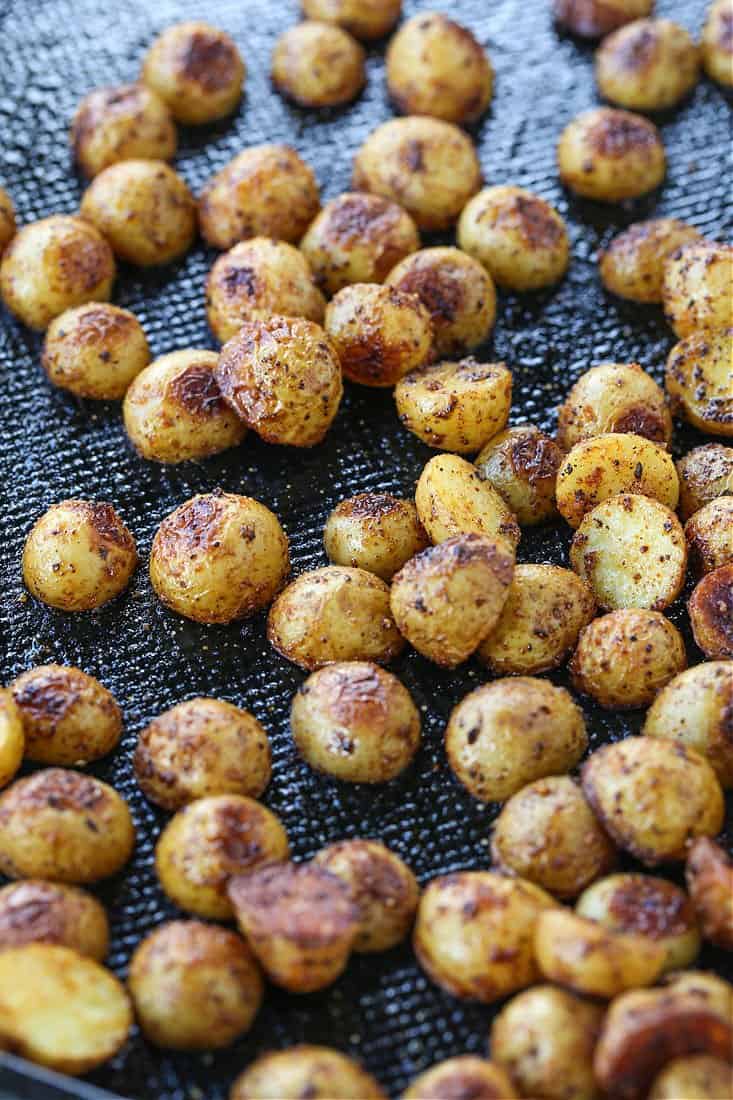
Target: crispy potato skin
611	155
12	737
648	65
705	474
319	1072
35	911
594	18
698	1077
124	122
521	464
465	1075
698	377
717	45
455	406
709	875
711	613
709	533
632	266
197	70
374	531
452	499
95	350
7	220
614	397
316	64
696	288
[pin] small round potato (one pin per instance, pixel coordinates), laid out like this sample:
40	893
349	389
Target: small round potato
428	166
63	826
648	65
455	406
304	1070
519	237
521	464
511	732
698	380
382	887
124	122
696	288
610	155
614	397
12	737
705	474
53	265
144	209
709	533
448	598
711	613
8	224
374	531
282	377
697	1077
633	264
717	44
78	555
380	333
709	875
453	499
95	350
355	722
334	614
594	18
210	840
316	64
219	557
202	747
474	933
197	70
465	1075
35	911
265	191
456	291
194	986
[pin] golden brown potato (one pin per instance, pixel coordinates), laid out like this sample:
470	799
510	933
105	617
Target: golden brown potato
379	333
194	986
61	1009
265	191
428	166
711	613
356	722
124	122
437	67
455	406
374	531
63	826
316	64
717	46
510	732
282	377
210	840
202	747
521	464
334	614
705	474
53	265
594	18
197	70
614	397
709	533
633	264
698	1077
465	1075
611	155
648	65
448	598
698	380
78	555
219	557
696	288
12	737
7	221
474	933
317	1072
35	911
453	499
95	350
709	875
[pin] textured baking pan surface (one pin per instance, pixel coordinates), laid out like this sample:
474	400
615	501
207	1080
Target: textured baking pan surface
52	447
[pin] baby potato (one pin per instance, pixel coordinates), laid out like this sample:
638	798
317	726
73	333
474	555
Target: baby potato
202	747
648	65
452	499
194	986
711	613
219	557
510	732
63	826
455	406
356	722
317	1072
614	397
210	840
696	288
144	209
521	464
316	64
705	474
698	1077
7	220
334	614
633	264
448	598
709	533
12	737
698	380
382	887
265	191
610	465
35	911
457	292
379	333
174	410
437	67
282	377
95	350
124	122
594	18
474	933
465	1075
78	555
611	155
197	70
717	48
428	166
374	531
60	1009
53	265
709	875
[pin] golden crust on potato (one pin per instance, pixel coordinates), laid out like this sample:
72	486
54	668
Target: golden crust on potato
197	70
95	350
521	464
614	397
696	287
594	18
709	875
455	406
12	737
123	122
374	531
318	1072
717	46
35	911
611	155
705	474
633	264
452	499
316	64
7	220
697	1077
648	65
709	533
711	613
698	380
465	1075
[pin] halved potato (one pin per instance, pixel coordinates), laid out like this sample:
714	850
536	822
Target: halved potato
709	533
633	264
705	474
698	380
696	287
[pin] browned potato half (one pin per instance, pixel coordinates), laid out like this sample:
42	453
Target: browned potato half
197	70
510	732
7	220
709	875
696	288
202	747
711	613
356	722
717	47
709	533
78	555
521	464
594	18
35	911
455	406
194	986
209	841
705	474
12	737
633	264
698	380
95	350
124	122
318	1072
453	499
697	1077
648	65
316	64
63	826
374	531
611	155
465	1075
653	796
614	397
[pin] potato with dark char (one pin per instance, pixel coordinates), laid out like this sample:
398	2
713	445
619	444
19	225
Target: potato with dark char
614	397
511	732
428	166
711	613
633	264
696	288
78	555
709	875
95	350
35	911
209	841
316	64
697	1077
124	122
452	499
705	474
197	70
53	265
648	65
717	42
594	18
265	191
611	155
8	224
355	722
465	1075
194	986
455	406
219	557
317	1072
709	533
374	531
12	737
202	747
699	378
521	464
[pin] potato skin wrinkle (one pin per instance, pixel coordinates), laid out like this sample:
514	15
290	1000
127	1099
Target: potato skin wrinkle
452	499
197	70
12	737
711	613
632	266
709	875
315	64
521	464
95	350
465	1075
611	155
314	1071
35	911
374	531
648	65
614	397
595	18
123	122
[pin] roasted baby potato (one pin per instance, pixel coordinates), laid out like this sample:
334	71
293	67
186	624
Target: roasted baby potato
611	155
521	464
594	18
374	531
633	264
124	122
95	350
709	875
717	49
453	499
319	1072
50	912
465	1075
698	380
648	65
12	737
7	220
709	533
705	474
697	1077
455	406
316	64
696	288
614	397
197	70
711	613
